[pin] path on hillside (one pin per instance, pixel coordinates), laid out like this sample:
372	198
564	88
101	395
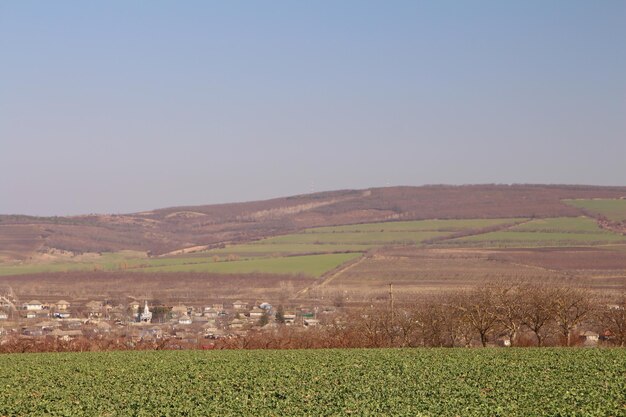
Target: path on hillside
327	278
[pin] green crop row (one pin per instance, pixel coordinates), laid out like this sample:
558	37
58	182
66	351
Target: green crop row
386	382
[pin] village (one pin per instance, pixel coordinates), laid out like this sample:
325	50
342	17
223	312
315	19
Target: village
491	316
140	322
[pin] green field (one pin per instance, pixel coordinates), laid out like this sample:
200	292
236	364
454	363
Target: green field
313	265
553	232
612	209
352	238
385	382
271	249
560	224
316	251
416	226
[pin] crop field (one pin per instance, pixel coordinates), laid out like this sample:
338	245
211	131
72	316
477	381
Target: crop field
560	225
273	249
358	237
612	209
578	231
390	382
416	226
417	270
316	251
312	265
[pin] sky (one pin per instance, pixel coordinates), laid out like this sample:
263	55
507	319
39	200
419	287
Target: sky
120	106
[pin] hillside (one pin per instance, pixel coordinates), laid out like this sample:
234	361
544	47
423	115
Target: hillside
165	230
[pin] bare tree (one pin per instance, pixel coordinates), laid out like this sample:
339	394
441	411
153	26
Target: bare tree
613	318
509	311
570	306
479	310
537	310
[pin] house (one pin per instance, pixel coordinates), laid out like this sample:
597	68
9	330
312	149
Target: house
33	331
236	324
503	341
240	305
94	309
66	335
210	313
184	320
33	305
134	307
589	338
290	318
3	315
179	311
256	313
151	333
311	322
62	305
61	315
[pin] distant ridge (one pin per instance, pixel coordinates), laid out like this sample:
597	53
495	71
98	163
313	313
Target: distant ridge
169	229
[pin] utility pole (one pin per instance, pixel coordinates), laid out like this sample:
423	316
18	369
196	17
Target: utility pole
391	299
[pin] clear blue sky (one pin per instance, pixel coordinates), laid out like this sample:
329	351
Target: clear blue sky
121	106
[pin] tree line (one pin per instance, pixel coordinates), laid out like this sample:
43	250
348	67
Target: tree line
526	314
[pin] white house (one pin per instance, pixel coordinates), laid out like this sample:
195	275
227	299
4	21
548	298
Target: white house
185	319
62	305
3	315
33	305
589	338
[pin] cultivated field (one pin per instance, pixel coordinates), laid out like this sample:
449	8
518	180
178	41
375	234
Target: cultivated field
119	287
612	209
312	265
165	230
555	232
390	382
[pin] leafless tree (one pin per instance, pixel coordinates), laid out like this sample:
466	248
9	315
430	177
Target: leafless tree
613	318
537	310
570	306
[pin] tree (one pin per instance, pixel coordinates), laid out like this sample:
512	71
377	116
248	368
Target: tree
537	310
613	318
479	311
264	319
509	311
571	306
280	314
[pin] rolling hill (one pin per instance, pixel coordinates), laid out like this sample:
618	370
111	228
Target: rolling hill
173	229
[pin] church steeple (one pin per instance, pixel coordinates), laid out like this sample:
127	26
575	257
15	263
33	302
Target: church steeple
146	316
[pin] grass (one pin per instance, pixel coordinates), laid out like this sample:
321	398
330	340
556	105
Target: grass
561	231
293	253
313	265
612	209
560	224
416	226
374	382
352	238
269	249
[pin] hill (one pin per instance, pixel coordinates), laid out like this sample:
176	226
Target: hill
173	229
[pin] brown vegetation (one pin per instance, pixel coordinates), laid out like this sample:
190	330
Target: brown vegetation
173	287
506	315
165	230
